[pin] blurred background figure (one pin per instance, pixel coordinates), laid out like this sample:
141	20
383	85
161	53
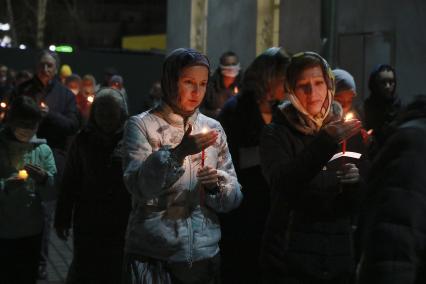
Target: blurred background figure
383	104
243	118
345	90
223	84
117	82
73	83
108	73
93	200
6	83
60	122
22	76
27	171
394	212
86	97
64	73
154	97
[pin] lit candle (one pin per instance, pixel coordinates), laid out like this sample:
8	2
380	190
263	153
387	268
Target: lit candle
90	99
3	105
42	104
236	90
348	117
22	174
203	152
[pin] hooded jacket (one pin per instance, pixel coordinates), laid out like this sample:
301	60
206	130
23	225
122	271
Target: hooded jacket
20	208
92	195
173	219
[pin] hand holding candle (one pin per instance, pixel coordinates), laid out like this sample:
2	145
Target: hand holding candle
342	129
194	143
35	172
22	174
44	108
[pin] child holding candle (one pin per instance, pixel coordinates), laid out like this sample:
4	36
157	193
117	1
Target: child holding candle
27	170
173	232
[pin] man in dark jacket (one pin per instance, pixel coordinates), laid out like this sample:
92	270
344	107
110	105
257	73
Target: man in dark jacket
60	122
394	219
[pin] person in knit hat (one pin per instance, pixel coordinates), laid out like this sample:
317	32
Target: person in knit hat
345	89
93	200
64	73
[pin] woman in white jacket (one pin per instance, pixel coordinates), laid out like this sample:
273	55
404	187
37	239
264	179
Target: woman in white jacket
179	172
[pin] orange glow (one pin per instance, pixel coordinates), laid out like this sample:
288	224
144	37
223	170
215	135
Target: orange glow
42	104
90	99
349	116
236	90
23	174
3	105
204	130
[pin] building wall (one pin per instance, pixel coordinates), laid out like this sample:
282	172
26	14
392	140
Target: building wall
178	24
300	25
392	32
232	26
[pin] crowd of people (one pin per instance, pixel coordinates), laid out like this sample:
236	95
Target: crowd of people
266	175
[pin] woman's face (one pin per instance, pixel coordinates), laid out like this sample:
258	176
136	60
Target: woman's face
386	83
192	86
311	89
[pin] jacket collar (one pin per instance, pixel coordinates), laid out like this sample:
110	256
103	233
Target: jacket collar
174	119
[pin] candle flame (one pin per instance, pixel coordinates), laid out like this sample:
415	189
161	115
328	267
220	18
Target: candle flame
349	116
90	99
369	132
42	104
236	90
22	174
204	130
3	105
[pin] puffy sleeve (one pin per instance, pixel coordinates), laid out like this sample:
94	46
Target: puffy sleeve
148	173
47	190
229	195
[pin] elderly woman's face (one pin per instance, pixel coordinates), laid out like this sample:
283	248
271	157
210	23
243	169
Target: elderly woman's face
311	89
192	86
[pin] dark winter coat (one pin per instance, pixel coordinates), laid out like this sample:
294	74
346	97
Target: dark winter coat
242	229
92	195
63	120
379	113
394	215
308	233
